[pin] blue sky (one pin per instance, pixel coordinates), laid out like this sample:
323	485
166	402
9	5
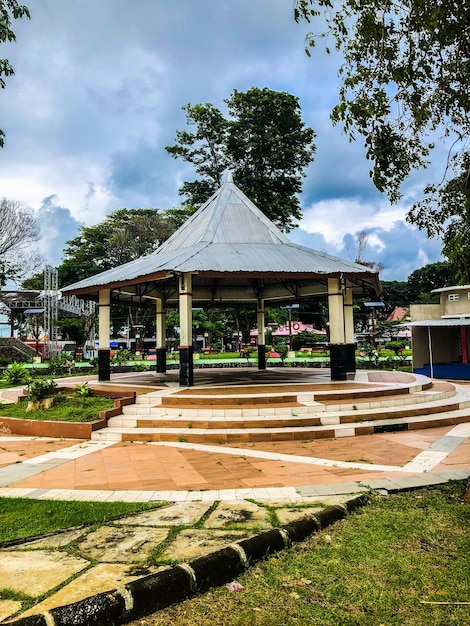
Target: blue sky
97	95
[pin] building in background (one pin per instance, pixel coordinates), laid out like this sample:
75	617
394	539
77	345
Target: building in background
440	336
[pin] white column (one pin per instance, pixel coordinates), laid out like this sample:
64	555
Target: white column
104	318
186	330
185	309
336	311
160	333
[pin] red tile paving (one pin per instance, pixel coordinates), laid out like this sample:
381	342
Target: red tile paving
24	448
133	466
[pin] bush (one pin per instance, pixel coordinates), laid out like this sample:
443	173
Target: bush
122	356
16	374
40	389
83	391
283	350
60	363
396	346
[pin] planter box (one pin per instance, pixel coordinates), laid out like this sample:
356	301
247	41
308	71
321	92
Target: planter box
67	430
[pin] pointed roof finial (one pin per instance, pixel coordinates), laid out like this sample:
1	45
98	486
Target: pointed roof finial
229	177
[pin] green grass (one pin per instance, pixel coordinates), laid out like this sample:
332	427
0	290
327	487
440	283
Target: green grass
383	565
68	408
21	517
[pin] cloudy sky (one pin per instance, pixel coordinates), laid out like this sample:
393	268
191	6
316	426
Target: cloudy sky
97	95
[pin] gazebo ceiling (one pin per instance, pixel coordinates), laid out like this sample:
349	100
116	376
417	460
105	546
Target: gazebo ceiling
235	254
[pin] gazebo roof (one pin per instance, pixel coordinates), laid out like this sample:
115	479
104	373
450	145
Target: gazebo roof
235	253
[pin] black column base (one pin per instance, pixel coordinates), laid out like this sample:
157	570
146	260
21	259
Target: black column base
186	366
261	357
350	357
338	361
160	360
104	365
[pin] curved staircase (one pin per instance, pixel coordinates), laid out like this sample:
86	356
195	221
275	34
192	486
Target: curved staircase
277	412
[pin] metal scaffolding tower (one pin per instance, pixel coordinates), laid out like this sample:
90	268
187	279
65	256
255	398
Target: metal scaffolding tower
51	284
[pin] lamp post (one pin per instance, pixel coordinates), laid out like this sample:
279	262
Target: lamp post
138	328
289	308
373	306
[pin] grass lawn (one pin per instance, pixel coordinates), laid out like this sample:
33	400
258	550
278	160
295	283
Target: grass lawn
22	517
68	408
403	560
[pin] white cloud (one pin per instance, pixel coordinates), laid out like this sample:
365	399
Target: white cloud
337	217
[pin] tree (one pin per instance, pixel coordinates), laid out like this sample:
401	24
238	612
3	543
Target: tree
264	142
405	81
432	276
124	235
9	9
445	211
77	328
18	229
395	293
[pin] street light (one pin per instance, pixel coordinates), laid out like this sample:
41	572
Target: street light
138	328
289	308
373	306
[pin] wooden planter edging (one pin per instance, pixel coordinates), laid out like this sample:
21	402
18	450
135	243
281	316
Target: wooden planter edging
67	430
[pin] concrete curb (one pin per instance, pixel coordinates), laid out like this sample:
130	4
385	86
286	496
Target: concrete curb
151	593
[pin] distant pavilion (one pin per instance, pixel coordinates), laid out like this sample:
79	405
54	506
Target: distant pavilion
229	254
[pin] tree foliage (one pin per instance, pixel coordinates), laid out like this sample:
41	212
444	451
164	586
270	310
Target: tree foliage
124	235
406	82
9	10
18	229
263	141
445	211
432	276
405	74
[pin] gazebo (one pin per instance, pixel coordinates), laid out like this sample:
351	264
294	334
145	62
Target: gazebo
228	253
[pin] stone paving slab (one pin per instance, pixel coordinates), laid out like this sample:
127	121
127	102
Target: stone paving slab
186	514
35	573
57	540
240	514
193	543
8	608
121	545
102	577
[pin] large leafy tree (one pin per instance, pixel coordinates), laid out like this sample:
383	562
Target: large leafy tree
445	211
9	10
263	141
431	276
124	235
405	82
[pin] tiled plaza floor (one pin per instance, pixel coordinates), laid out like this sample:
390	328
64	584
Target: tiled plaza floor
137	466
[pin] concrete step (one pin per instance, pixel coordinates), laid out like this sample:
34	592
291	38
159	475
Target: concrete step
197	404
233	435
145	417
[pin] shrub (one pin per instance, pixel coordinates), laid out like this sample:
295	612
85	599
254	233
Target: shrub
141	367
282	350
396	346
122	356
40	389
16	374
60	363
84	391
